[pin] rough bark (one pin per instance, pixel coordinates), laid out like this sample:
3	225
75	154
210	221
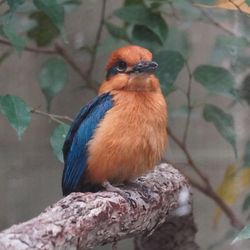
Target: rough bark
177	233
85	220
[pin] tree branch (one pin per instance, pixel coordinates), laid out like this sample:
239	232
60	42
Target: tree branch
70	60
85	220
207	189
212	20
238	6
53	117
58	49
209	192
61	51
31	49
188	156
189	106
173	10
182	226
97	40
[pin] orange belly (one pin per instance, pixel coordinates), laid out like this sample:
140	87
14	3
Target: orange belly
130	139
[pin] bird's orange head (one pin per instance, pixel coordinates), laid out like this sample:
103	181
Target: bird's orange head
130	68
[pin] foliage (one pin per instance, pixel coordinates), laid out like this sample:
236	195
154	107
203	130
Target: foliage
215	79
146	23
243	6
170	64
57	138
234	183
16	111
52	78
243	234
45	31
223	122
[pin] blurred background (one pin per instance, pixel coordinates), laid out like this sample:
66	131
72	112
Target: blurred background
52	59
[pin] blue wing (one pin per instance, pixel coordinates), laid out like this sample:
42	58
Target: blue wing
75	145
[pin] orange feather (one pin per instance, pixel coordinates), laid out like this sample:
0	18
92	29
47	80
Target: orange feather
132	136
130	54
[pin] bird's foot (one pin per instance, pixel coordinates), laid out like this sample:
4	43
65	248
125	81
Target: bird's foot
142	189
126	195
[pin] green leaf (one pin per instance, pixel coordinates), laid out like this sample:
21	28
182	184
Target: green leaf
243	234
70	5
45	30
52	78
144	37
223	122
14	4
16	111
57	139
53	10
246	203
9	31
241	63
17	41
245	89
139	14
170	64
215	79
187	11
248	2
231	233
246	157
115	31
178	40
133	2
156	4
228	47
109	44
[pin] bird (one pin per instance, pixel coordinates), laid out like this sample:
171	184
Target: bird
120	134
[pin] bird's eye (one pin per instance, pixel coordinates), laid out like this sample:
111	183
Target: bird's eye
121	66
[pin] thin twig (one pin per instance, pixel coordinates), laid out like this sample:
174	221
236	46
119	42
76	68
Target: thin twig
173	10
207	189
71	61
212	20
97	40
31	49
189	158
53	117
238	6
63	52
60	50
189	106
235	222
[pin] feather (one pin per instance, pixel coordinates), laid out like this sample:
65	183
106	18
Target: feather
131	138
81	132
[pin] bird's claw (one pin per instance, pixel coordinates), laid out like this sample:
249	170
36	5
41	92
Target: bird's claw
131	202
126	195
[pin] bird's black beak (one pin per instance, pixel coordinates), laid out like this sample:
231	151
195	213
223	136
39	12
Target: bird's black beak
145	67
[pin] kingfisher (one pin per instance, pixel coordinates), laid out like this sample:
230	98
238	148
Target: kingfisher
121	133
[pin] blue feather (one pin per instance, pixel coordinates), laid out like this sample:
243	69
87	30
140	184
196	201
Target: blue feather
75	145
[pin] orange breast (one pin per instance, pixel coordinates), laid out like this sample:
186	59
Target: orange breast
130	139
